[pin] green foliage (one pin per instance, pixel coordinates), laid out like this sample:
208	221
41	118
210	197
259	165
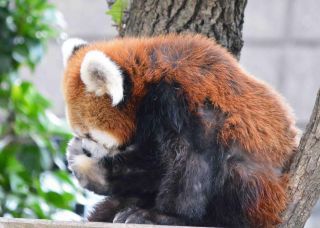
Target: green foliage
117	10
34	181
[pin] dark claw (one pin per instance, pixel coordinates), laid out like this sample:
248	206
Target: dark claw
122	216
133	215
136	218
86	152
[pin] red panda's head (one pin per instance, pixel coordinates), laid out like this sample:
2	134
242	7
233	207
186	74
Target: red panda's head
93	87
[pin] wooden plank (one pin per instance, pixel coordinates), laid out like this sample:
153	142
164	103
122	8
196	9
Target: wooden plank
40	223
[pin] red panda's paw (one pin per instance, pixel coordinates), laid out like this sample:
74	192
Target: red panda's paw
132	215
85	161
142	216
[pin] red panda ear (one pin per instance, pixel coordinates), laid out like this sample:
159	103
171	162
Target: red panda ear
102	76
69	47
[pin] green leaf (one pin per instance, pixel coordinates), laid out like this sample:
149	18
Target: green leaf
39	211
13	165
29	157
59	200
17	184
39	207
64	177
117	10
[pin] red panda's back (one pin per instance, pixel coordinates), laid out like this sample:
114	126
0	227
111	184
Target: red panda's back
258	118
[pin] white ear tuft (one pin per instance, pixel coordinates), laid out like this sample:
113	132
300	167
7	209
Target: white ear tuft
102	76
69	46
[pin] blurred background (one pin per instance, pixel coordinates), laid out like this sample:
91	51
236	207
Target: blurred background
281	46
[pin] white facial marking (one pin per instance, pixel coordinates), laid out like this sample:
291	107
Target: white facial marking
101	75
68	46
99	144
97	150
104	138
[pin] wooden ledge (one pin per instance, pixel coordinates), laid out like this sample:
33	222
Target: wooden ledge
40	223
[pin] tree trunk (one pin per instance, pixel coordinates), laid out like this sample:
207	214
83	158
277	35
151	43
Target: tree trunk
219	19
222	20
305	174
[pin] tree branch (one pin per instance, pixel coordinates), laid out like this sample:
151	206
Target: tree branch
305	174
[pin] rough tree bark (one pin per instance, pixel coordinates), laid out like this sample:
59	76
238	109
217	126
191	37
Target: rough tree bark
222	20
305	174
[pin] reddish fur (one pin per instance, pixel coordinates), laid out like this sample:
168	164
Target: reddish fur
257	119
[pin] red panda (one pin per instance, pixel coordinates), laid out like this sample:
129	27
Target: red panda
176	132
